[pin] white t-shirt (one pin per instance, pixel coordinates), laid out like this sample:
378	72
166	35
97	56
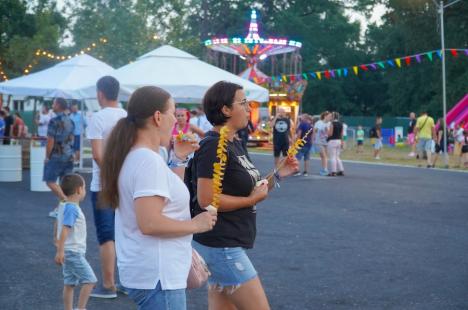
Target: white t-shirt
144	260
203	123
44	120
100	127
322	132
345	130
70	214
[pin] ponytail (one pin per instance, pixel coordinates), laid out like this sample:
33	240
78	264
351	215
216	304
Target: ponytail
142	105
118	146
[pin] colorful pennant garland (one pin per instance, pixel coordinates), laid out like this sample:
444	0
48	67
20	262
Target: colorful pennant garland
375	66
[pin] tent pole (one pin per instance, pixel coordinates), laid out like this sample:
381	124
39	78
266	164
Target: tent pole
81	135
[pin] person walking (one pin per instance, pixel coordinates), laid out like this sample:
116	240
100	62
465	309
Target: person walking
153	228
376	137
425	132
100	126
80	124
439	140
360	139
233	283
282	135
304	127
59	150
334	146
319	138
70	239
411	137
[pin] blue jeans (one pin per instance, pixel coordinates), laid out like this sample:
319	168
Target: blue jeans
103	220
158	299
304	152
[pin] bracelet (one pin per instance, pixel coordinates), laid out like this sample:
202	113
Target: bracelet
175	161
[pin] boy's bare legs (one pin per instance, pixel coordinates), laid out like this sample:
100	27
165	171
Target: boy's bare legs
68	297
84	295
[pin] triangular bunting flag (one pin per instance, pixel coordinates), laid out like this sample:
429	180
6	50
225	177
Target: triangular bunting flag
466	52
313	75
284	78
332	72
429	55
439	53
381	64
339	72
319	75
345	72
454	52
373	66
327	74
391	63
355	69
364	67
418	58
398	62
305	76
408	60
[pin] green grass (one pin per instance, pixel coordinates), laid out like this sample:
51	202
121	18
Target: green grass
388	155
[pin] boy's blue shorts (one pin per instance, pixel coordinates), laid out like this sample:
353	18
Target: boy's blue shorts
76	269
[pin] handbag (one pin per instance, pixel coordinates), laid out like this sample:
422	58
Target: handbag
199	273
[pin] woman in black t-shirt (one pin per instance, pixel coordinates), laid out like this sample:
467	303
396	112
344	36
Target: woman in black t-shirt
233	282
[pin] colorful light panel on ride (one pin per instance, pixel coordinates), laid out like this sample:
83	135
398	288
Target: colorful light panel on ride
253	47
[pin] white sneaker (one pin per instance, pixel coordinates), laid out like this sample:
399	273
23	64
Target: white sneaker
53	213
412	154
377	158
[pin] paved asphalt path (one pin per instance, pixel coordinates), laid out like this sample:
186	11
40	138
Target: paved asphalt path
378	238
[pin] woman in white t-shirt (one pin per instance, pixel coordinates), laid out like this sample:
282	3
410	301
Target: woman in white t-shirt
319	139
153	229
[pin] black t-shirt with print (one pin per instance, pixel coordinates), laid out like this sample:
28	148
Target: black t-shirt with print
235	228
281	130
412	124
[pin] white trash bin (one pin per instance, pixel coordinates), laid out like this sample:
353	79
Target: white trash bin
37	168
10	163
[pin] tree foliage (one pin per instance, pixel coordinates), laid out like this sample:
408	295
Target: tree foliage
330	40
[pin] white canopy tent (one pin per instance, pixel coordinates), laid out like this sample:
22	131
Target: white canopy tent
183	75
66	79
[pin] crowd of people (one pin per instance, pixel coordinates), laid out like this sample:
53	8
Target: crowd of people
150	194
426	139
324	135
12	126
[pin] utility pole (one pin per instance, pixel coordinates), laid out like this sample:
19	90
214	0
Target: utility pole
440	9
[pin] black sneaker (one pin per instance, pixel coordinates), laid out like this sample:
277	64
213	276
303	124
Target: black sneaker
102	292
340	173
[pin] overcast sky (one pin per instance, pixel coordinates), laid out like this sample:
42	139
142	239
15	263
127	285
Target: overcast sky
379	10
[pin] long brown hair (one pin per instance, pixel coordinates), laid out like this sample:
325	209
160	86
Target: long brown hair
143	103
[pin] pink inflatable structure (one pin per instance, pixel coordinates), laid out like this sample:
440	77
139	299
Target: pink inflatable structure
459	113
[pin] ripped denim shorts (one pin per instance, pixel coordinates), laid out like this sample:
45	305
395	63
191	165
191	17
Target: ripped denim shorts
229	267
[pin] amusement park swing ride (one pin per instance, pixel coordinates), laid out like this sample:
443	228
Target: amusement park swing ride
280	54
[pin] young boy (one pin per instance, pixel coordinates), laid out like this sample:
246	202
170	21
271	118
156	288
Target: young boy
360	139
70	234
